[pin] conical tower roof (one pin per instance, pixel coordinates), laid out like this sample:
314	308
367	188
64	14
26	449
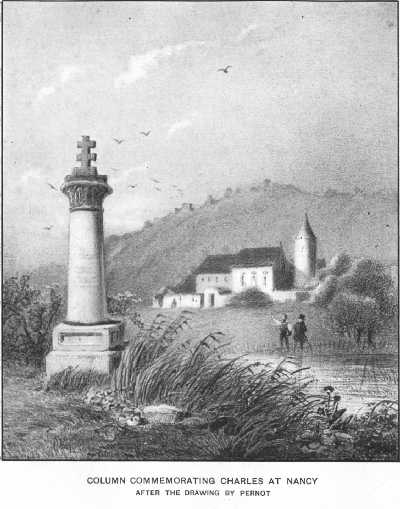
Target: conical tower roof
306	230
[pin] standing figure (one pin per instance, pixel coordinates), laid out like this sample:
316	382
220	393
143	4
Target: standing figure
284	331
299	332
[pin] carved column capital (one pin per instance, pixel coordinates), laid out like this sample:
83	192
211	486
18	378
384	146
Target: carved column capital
86	195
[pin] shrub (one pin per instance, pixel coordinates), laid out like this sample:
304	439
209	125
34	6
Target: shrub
28	319
252	298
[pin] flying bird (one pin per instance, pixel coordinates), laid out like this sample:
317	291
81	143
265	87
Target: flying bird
118	141
145	133
158	189
155	180
115	169
51	186
225	69
133	187
48	227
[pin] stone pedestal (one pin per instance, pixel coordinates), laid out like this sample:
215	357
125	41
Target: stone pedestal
99	362
87	339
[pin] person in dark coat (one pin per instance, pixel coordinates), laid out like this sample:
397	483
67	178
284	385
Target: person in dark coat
284	332
299	332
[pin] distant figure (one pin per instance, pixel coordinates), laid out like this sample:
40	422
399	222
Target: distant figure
173	303
299	332
284	331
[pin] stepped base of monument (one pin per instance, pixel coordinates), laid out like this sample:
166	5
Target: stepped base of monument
96	362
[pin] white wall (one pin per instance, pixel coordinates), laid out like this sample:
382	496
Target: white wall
204	281
183	300
220	300
253	277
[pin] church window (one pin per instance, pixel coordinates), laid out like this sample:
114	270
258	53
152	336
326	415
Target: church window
209	278
242	278
216	279
202	278
254	278
265	278
225	279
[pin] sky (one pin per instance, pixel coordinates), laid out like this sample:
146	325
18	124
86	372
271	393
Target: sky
310	99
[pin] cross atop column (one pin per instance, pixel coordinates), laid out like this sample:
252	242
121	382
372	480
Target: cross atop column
85	157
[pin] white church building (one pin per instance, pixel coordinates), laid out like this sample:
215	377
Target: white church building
221	276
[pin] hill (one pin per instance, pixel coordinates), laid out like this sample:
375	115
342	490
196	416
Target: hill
165	251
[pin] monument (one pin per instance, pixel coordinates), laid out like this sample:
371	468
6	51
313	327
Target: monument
87	339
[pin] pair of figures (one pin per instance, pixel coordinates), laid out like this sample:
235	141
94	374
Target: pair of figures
298	330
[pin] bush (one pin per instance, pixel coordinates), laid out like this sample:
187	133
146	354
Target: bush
28	320
252	298
355	315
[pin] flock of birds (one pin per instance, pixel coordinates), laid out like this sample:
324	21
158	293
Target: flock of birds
119	141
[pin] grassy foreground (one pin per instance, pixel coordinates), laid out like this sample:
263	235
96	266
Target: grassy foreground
59	426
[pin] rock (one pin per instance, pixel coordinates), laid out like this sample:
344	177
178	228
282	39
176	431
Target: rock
195	421
308	435
90	395
133	422
343	437
314	445
162	414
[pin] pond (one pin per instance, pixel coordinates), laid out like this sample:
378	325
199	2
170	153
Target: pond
358	379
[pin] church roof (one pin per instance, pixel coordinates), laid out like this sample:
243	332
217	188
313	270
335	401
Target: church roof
306	230
249	257
258	256
216	264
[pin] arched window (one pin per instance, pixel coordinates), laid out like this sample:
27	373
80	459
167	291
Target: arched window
254	278
242	277
265	278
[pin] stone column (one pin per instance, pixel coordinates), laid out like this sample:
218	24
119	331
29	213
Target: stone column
87	339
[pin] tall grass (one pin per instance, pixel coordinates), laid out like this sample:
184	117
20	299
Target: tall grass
261	404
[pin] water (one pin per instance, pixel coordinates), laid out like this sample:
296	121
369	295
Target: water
358	379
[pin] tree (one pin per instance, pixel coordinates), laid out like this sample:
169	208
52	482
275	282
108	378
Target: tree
340	264
369	279
28	319
355	316
325	291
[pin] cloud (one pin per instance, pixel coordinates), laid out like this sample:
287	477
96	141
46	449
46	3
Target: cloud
140	65
246	31
68	72
45	92
177	126
65	74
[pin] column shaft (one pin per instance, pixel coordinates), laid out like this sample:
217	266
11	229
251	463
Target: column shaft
86	290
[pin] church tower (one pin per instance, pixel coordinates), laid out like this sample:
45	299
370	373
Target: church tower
305	255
